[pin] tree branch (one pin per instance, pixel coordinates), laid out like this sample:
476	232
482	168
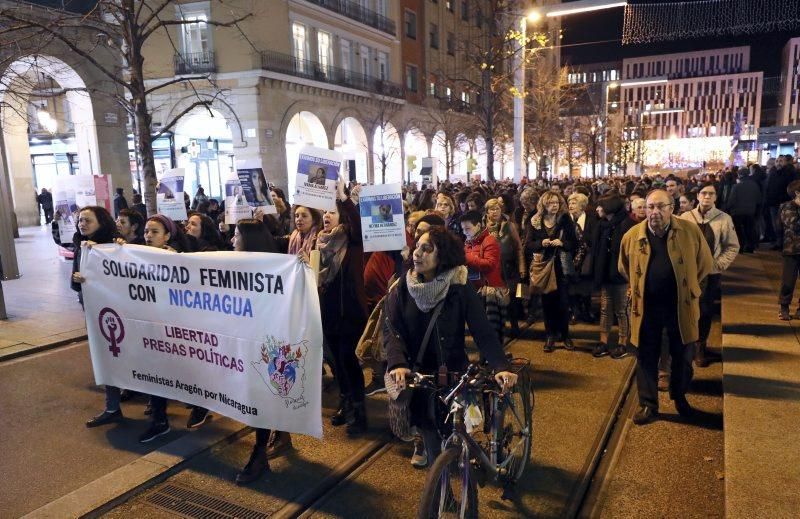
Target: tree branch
166	23
174	121
174	81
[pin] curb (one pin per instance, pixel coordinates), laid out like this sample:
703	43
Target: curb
31	349
116	487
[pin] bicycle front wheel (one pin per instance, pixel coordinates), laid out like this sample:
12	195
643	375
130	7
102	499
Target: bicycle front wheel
450	490
513	428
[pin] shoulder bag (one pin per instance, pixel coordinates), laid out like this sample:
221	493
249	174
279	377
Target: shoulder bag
400	399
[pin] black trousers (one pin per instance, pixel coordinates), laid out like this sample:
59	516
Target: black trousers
159	404
262	437
712	289
791	266
656	319
348	370
746	232
555	307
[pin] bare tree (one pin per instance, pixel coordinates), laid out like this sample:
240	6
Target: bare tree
448	120
382	121
122	27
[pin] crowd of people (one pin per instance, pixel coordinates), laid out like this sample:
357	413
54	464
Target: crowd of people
645	254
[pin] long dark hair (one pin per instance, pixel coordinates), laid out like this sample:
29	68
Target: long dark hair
255	236
208	232
107	231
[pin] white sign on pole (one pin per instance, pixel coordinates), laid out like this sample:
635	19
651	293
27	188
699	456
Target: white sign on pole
317	174
382	220
169	198
70	193
235	332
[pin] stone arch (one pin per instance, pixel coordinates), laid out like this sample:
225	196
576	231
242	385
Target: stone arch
296	108
352	141
303	128
217	104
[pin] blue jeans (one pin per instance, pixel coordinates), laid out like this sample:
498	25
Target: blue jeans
112	398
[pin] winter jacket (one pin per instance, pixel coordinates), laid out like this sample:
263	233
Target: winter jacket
605	252
691	261
483	260
745	198
563	230
777	182
404	328
77	239
726	243
343	301
790	218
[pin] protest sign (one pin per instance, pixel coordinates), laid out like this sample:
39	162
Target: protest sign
234	332
382	221
256	190
66	207
317	174
169	198
236	206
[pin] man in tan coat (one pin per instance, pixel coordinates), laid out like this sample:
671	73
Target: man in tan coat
664	259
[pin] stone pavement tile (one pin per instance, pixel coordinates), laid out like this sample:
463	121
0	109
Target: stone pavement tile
5	343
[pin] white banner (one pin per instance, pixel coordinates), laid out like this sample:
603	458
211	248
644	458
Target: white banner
382	219
317	173
238	333
169	198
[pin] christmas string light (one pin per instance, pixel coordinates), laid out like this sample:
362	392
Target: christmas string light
651	22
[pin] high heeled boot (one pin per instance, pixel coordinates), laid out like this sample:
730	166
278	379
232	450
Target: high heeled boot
340	417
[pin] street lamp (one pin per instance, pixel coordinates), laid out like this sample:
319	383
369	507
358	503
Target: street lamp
604	122
552	11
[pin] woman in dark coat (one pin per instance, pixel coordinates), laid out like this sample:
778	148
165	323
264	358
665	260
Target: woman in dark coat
343	304
552	231
614	223
439	276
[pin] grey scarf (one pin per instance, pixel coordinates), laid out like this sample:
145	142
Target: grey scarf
428	294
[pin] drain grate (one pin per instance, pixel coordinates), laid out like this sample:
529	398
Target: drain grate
197	505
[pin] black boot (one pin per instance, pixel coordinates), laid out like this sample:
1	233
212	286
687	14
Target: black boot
256	466
359	423
343	412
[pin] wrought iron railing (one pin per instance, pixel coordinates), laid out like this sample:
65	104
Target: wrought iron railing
195	63
356	11
293	66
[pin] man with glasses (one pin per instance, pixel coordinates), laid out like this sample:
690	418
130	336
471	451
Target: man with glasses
720	233
664	259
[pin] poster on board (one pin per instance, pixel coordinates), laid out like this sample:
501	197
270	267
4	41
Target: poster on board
256	189
317	174
236	204
382	221
169	197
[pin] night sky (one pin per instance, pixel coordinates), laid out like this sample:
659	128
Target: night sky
765	49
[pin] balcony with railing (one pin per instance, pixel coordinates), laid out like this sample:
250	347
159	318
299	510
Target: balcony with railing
355	11
286	64
195	63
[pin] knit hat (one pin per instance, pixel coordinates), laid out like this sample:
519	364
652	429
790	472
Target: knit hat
167	222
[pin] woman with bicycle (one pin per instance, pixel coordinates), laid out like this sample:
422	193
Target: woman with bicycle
434	301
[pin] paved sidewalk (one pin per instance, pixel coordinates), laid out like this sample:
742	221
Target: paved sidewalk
761	380
43	311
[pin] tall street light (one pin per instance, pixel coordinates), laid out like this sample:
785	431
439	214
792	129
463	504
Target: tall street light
550	11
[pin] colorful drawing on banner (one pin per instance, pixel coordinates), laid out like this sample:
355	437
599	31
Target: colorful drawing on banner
169	195
317	174
256	189
382	220
282	367
236	205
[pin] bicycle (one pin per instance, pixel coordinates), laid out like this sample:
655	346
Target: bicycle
451	488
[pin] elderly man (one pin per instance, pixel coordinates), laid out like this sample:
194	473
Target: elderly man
720	234
664	259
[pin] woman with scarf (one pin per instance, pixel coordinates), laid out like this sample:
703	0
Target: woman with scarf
343	303
512	259
553	232
580	291
439	278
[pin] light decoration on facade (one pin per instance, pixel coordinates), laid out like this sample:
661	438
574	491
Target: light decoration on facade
46	121
686	153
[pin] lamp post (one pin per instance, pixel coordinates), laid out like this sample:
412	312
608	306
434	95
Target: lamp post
604	122
521	21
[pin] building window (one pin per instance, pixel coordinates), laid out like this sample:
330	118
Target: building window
410	21
324	51
434	36
195	36
464	10
448	93
465	97
451	43
411	78
383	66
364	55
300	45
478	17
432	88
347	57
450	5
380	7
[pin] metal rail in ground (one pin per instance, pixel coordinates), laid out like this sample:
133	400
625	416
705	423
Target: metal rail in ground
588	491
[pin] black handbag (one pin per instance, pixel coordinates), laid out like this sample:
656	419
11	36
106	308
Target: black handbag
400	400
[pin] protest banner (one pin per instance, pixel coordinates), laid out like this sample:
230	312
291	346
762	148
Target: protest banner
234	332
256	189
169	197
236	206
317	174
382	220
